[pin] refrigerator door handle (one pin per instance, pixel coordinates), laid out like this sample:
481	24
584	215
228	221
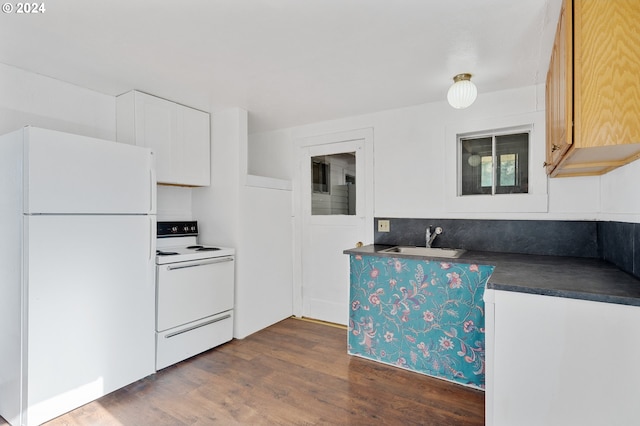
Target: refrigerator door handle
152	188
151	238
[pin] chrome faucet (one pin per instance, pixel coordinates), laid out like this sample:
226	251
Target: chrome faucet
431	235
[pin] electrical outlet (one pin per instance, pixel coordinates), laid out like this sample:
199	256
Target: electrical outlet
383	226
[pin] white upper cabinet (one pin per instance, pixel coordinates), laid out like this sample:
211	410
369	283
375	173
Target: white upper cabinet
178	135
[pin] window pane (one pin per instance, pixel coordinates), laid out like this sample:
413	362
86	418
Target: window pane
487	171
513	163
333	184
507	169
476	168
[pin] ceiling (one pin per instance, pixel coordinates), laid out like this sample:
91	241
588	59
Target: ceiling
288	62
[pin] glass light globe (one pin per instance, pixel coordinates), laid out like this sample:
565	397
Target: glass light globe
463	92
474	160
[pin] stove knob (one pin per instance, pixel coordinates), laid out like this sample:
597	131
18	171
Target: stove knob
193	228
174	229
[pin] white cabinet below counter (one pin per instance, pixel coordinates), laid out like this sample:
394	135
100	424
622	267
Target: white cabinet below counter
560	361
178	135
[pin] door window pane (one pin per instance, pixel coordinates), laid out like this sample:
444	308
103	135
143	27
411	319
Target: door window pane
333	184
320	176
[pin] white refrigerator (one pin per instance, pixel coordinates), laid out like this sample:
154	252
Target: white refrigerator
77	254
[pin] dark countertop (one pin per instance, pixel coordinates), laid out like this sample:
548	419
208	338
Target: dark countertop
571	277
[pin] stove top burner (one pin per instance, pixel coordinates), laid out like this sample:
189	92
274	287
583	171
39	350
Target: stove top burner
202	248
178	242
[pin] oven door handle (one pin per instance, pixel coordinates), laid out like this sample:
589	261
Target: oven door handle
193	265
213	321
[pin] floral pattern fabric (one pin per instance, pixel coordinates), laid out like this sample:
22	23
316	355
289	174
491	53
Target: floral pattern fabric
422	315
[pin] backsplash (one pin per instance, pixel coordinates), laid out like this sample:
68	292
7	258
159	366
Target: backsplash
619	244
615	242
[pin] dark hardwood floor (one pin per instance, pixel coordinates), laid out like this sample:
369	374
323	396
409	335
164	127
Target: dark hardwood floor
293	373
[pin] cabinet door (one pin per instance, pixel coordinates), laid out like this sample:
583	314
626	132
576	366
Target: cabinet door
178	135
598	63
156	128
192	150
557	361
559	91
607	62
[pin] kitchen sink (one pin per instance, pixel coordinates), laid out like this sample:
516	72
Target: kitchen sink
426	251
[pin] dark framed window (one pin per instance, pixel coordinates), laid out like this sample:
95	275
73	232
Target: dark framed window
320	176
495	163
333	184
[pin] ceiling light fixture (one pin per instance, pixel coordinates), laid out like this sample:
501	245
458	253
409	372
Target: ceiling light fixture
462	92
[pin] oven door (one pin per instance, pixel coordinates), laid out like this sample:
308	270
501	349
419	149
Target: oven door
185	341
189	291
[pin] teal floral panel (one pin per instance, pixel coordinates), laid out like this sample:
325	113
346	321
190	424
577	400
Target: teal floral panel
421	315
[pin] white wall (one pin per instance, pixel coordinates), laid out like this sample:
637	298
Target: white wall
32	99
620	197
271	155
255	220
216	207
265	287
409	150
174	203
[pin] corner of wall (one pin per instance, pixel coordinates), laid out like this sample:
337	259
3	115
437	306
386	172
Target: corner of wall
54	104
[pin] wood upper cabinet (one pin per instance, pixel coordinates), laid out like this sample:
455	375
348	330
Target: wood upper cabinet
559	91
592	92
178	135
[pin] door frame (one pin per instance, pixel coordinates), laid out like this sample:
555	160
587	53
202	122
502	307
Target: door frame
366	210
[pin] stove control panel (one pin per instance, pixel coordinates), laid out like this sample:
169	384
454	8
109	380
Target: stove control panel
177	229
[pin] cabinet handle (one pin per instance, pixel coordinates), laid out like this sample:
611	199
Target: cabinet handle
555	147
545	164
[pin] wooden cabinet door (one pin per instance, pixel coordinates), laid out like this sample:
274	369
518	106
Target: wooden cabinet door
559	91
607	64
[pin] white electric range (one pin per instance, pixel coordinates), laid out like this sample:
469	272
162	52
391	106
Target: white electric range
194	293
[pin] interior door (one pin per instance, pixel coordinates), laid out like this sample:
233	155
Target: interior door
336	212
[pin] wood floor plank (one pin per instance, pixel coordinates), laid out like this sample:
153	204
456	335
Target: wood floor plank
292	373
